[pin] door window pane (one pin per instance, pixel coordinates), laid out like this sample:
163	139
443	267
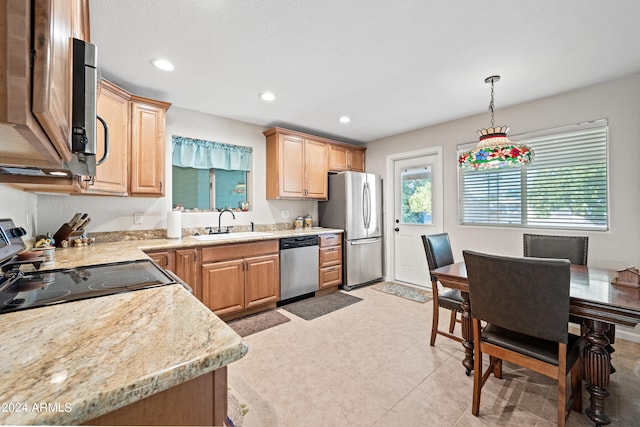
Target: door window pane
416	195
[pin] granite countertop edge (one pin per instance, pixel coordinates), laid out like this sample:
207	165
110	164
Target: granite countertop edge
211	346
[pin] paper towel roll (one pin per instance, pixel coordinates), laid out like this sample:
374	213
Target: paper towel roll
174	224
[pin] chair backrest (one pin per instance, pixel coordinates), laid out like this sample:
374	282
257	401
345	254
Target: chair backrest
438	250
525	295
573	248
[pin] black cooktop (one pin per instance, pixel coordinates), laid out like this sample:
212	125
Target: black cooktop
40	288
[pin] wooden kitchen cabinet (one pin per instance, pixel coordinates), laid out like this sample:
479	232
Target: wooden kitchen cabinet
36	79
165	259
297	165
330	261
346	158
238	279
147	162
112	175
187	262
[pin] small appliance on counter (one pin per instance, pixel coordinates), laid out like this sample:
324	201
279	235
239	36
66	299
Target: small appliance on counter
20	290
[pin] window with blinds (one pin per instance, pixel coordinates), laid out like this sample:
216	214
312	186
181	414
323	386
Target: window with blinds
565	187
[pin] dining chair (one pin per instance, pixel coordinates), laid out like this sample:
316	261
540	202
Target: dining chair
573	248
576	250
437	247
525	304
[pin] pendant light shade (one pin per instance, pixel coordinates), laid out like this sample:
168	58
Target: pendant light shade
495	150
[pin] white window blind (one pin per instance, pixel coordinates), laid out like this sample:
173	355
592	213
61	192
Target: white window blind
565	186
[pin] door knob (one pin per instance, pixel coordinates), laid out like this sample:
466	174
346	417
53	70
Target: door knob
396	229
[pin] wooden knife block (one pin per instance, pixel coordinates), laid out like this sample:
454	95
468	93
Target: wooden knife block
63	233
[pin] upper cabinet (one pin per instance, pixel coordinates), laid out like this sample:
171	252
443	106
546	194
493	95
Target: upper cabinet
297	165
36	79
346	158
112	175
147	147
136	161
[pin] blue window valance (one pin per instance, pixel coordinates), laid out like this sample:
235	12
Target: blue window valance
201	154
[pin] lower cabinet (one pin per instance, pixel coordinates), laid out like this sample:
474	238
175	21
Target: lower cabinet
200	401
164	259
238	278
330	261
186	268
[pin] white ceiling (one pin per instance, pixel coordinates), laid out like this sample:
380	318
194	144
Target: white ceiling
391	65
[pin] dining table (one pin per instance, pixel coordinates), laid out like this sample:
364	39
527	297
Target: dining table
594	297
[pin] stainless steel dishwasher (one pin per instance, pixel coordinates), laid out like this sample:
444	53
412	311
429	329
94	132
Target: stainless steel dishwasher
298	266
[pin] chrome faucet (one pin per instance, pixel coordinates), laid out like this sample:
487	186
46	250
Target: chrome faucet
220	219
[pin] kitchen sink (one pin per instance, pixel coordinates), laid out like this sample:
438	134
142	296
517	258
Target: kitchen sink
238	235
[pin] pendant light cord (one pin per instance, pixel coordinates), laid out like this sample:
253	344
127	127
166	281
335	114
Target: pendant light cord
492	105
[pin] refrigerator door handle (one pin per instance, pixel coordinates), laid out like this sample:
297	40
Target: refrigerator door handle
365	241
366	202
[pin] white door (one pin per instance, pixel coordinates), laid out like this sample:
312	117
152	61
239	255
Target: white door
417	196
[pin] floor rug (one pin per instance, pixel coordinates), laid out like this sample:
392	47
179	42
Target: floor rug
257	322
311	308
404	291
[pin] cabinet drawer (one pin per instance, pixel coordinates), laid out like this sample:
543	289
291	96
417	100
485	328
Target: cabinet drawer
330	276
330	256
329	240
239	250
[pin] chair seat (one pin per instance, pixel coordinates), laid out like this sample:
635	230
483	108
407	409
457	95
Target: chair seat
450	299
540	349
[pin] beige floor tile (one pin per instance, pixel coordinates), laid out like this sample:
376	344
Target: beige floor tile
371	364
421	409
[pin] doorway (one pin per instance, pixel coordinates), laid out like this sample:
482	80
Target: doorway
414	207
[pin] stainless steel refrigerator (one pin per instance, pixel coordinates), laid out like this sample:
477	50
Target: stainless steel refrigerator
355	205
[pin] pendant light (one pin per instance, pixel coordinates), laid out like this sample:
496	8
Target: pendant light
495	150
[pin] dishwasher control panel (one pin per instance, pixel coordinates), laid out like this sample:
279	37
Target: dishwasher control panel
298	242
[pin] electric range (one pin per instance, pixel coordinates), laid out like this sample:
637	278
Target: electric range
21	290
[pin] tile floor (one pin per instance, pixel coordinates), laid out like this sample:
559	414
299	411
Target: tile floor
370	364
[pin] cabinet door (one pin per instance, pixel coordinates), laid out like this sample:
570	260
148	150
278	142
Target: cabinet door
54	25
164	259
113	107
316	163
186	268
356	160
262	280
292	163
223	286
338	158
147	147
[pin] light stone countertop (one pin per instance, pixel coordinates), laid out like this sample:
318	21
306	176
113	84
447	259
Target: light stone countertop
126	250
93	356
85	358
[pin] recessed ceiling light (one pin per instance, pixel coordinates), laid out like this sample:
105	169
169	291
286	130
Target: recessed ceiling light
267	96
344	119
163	64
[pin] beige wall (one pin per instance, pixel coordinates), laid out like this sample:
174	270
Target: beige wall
19	206
617	101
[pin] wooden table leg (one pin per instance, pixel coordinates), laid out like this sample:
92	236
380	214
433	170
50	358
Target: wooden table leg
467	333
597	369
